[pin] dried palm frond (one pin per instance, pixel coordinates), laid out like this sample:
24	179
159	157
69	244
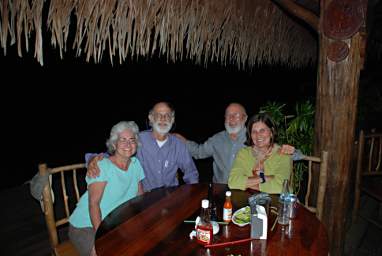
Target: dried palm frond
240	32
59	22
36	16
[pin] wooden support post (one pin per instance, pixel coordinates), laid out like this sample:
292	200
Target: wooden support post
340	62
341	57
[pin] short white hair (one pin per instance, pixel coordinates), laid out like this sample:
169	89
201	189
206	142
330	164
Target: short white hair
152	111
116	131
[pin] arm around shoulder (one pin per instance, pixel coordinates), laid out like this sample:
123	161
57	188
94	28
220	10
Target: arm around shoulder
187	165
201	151
92	164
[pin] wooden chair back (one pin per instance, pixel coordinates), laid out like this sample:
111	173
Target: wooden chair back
51	217
369	171
323	164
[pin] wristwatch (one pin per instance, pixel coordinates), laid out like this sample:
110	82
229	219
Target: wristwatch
262	176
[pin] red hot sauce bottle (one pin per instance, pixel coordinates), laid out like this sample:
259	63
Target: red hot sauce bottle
204	233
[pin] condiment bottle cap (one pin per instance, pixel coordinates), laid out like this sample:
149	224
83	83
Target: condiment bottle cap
205	203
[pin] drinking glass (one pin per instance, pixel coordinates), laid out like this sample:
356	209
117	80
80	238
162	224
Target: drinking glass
283	212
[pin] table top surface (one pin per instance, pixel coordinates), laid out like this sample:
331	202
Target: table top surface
153	224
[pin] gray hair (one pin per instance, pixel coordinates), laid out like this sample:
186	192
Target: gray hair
117	129
168	104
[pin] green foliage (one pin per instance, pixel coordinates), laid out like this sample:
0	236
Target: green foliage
296	129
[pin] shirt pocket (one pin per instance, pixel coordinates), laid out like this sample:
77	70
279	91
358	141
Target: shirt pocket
167	164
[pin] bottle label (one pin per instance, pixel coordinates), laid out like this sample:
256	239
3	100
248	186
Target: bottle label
204	235
227	214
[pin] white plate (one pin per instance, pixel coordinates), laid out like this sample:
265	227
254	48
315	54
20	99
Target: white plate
234	217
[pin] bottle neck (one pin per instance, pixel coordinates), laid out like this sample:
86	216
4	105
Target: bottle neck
210	196
205	215
227	203
210	192
285	189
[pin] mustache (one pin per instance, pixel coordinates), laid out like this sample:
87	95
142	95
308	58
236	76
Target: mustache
166	123
162	128
234	129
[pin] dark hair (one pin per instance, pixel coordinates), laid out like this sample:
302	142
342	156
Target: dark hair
267	120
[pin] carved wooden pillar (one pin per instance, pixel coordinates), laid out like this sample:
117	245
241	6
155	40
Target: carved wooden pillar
340	61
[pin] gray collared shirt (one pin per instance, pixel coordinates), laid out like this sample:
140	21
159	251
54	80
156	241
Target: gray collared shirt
223	151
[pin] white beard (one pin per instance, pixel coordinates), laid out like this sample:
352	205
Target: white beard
234	130
162	130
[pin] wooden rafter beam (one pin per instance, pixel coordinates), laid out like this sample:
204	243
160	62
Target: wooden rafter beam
299	11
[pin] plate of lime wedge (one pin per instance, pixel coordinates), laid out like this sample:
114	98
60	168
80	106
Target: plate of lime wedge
242	217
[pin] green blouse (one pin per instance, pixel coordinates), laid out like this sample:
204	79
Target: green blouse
276	164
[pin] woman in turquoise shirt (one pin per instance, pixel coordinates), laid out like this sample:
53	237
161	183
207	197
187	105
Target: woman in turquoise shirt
261	156
119	181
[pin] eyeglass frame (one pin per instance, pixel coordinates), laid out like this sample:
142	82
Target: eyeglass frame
234	116
160	116
129	142
262	131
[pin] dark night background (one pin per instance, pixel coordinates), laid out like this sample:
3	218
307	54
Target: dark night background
57	112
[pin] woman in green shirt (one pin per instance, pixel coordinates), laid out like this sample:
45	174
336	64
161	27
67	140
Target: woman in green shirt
261	156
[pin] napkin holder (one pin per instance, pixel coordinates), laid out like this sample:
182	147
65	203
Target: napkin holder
259	220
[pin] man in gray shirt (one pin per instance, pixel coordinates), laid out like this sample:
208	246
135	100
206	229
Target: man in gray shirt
224	145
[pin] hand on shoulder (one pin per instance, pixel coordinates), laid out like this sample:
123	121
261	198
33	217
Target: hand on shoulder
286	149
179	136
93	170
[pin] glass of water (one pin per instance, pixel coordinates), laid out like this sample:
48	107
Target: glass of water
283	212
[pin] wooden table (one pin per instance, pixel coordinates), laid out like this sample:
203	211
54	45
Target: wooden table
152	224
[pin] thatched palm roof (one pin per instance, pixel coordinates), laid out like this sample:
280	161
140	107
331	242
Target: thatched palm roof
241	32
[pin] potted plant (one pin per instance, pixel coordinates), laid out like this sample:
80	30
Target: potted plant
296	129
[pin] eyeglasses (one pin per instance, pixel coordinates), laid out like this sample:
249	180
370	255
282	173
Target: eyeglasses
159	116
126	141
235	116
262	131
